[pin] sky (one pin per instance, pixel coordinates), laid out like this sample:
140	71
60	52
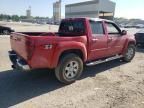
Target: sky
124	8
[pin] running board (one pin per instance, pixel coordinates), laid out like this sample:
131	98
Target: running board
103	61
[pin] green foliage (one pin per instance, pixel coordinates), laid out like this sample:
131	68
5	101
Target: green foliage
16	17
9	17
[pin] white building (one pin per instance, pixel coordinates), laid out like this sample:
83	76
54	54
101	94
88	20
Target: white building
28	13
57	11
94	9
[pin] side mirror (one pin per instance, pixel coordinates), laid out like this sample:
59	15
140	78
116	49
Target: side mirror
124	32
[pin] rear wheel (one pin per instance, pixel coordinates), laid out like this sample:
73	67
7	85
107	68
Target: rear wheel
130	53
69	69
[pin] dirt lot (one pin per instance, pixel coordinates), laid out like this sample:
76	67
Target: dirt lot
29	27
110	85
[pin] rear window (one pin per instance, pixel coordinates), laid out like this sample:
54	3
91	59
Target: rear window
72	28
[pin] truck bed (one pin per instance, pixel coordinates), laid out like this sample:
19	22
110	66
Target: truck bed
23	42
37	33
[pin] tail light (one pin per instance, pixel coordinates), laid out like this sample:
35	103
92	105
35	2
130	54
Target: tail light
30	46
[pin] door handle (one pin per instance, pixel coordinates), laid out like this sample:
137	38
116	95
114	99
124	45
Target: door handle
110	39
94	40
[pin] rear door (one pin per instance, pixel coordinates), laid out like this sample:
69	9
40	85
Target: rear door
115	39
98	42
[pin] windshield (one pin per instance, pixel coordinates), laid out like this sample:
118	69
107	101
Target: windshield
72	28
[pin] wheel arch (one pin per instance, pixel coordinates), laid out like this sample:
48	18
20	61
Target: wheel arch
77	52
66	47
131	42
128	42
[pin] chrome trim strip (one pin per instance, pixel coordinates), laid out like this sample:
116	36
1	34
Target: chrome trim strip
103	61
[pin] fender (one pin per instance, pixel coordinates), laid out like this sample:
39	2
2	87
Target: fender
127	42
64	46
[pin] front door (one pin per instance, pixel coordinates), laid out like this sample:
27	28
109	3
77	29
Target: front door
115	39
98	46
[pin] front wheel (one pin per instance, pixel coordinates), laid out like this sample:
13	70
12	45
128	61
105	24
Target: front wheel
69	69
130	53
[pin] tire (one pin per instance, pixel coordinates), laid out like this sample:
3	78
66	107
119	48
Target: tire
130	53
69	69
6	32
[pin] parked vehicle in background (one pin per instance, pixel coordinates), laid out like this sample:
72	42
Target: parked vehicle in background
140	26
139	36
79	41
129	26
133	26
5	30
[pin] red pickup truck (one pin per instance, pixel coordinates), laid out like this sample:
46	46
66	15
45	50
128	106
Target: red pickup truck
79	41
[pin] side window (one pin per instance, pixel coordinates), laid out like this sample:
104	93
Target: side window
112	29
97	27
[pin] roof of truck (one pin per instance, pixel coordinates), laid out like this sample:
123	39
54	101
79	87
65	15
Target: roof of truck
94	19
99	19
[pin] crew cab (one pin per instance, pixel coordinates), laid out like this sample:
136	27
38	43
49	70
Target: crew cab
79	42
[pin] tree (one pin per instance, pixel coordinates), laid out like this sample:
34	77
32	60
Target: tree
23	17
15	18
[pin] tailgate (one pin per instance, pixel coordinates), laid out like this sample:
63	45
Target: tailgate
18	44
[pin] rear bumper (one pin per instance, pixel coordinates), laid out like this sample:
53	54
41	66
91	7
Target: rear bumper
17	62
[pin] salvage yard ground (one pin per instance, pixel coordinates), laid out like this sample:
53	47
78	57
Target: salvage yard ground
110	85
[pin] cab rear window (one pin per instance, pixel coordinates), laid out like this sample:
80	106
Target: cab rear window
72	28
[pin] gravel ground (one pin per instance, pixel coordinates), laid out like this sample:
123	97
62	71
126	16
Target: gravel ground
29	27
110	85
